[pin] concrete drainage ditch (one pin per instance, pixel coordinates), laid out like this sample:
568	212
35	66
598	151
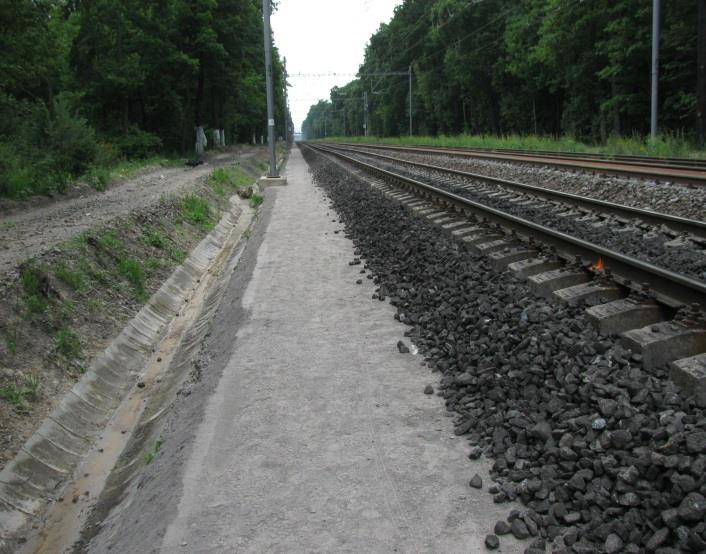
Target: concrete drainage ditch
97	435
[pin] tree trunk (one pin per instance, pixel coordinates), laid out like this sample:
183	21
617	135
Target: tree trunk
199	97
143	110
701	73
615	111
200	145
126	112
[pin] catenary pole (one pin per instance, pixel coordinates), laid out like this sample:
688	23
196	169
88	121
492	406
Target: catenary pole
655	67
286	104
268	83
410	100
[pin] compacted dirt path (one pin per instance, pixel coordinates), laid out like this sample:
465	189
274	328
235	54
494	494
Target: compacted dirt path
34	230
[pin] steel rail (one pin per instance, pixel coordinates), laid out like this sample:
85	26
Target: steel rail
682	224
691	175
650	161
696	164
669	287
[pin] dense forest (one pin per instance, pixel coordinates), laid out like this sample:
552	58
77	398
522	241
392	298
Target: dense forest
85	83
548	67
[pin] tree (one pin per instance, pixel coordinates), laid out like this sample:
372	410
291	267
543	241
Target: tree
534	66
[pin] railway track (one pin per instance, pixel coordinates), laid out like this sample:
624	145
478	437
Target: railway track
657	311
693	227
677	169
534	385
671	288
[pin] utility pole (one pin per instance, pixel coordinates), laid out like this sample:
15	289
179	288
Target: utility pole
268	83
655	67
701	73
410	99
286	103
365	113
408	74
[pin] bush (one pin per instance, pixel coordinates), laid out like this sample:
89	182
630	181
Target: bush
139	144
71	143
16	180
107	154
98	178
42	149
196	211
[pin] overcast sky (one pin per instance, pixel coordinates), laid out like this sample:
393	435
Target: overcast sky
322	37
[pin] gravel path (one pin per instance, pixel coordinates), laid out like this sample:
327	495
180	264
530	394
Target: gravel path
676	199
605	456
639	240
34	230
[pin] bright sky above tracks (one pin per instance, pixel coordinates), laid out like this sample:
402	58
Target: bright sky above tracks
324	42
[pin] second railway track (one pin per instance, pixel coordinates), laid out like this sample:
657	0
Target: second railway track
680	224
676	170
669	284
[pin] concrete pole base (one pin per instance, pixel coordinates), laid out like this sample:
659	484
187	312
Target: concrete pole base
266	181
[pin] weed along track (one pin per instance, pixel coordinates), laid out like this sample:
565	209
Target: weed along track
586	429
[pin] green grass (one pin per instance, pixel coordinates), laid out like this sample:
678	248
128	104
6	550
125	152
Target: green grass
134	273
109	241
154	264
256	200
150	455
19	396
72	278
120	265
11	343
67	344
154	238
129	168
100	177
177	254
196	211
670	146
21	177
34	298
225	178
93	273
